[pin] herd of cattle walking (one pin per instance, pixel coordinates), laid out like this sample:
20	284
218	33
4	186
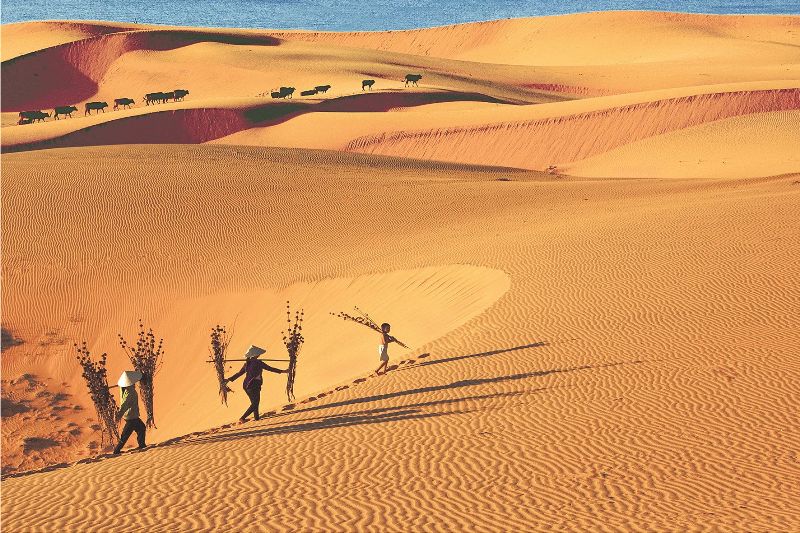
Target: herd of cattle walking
28	117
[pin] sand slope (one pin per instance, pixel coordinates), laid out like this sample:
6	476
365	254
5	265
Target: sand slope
759	144
606	346
623	379
539	144
550	61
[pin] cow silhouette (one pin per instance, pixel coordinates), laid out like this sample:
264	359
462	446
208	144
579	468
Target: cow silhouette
309	92
153	98
180	94
413	79
28	117
168	96
287	92
125	102
64	110
367	83
322	88
97	106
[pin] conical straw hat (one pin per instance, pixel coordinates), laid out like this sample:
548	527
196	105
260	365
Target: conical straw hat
254	351
128	378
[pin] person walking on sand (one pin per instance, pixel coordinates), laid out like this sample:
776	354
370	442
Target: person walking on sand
129	410
252	369
383	348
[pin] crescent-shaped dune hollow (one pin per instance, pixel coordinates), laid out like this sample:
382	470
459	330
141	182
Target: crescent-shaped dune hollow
584	227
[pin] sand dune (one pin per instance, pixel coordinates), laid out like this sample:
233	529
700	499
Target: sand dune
596	392
617	37
26	37
539	144
761	144
532	137
604	349
680	64
69	73
197	122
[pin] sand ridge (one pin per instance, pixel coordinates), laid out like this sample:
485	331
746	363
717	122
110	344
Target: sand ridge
681	70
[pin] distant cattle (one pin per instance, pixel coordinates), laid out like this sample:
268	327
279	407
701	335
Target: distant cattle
154	98
124	102
97	106
322	88
413	79
283	92
310	92
367	83
65	110
180	94
27	117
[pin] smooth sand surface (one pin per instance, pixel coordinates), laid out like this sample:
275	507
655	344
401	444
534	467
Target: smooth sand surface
759	144
584	226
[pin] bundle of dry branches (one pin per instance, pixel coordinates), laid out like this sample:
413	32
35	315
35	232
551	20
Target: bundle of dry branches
219	346
145	358
293	339
364	320
96	377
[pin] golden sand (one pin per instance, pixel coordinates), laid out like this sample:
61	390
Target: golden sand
610	347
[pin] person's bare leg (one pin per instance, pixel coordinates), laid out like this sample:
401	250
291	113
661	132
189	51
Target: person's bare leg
384	365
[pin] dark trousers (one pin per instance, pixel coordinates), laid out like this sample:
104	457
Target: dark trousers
254	393
132	425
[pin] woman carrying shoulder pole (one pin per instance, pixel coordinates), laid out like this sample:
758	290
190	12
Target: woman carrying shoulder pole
253	380
129	410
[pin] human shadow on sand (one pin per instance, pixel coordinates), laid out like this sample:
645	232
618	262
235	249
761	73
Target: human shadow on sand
474	355
390	414
367	416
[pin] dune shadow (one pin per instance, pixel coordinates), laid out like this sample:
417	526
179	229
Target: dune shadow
68	73
387	100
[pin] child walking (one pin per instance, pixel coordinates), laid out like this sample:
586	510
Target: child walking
383	348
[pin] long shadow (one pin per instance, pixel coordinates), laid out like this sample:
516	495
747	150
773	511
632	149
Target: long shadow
390	414
368	416
481	354
436	388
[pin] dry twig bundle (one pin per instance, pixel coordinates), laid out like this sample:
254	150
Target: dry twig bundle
96	377
293	339
365	320
145	358
219	346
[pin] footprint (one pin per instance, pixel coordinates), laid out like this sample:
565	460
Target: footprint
360	380
343	387
424	355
